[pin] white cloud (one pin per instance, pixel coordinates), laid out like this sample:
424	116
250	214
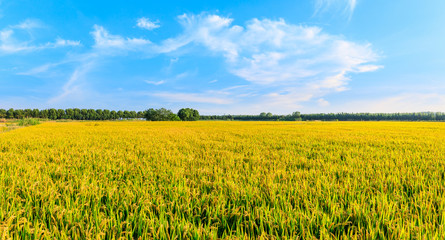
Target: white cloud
9	45
104	40
275	53
267	51
145	23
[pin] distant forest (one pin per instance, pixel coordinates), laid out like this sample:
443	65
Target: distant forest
296	116
188	114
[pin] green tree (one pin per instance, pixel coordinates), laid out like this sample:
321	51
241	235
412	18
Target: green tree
106	114
295	116
35	113
126	114
84	114
113	115
70	113
10	113
2	113
161	114
19	114
52	114
91	114
120	114
44	113
77	114
61	114
27	113
188	114
133	114
100	114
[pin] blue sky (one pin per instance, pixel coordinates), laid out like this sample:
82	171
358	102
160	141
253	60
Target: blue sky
224	57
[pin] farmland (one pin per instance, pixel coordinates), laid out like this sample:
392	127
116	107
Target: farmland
208	180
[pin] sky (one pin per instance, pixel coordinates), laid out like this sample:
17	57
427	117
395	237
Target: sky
224	57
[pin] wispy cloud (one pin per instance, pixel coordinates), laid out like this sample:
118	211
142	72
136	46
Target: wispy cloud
39	69
9	44
69	88
146	23
346	6
106	45
191	97
322	102
174	78
404	102
28	24
73	89
62	42
111	44
156	83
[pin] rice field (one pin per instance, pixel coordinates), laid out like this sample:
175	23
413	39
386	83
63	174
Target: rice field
223	180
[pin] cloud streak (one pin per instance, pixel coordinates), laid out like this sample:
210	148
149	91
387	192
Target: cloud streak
346	6
104	40
147	24
404	102
9	44
192	97
156	83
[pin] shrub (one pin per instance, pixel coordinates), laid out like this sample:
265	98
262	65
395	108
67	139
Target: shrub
28	122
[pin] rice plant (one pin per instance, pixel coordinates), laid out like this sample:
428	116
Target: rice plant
223	180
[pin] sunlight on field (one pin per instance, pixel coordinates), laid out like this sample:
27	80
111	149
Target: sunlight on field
223	180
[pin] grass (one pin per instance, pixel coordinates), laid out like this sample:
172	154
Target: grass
6	126
28	122
208	180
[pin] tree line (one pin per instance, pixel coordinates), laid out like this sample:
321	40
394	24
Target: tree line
162	114
71	113
189	114
297	116
419	116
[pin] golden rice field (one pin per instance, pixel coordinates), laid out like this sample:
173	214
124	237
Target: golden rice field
223	180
